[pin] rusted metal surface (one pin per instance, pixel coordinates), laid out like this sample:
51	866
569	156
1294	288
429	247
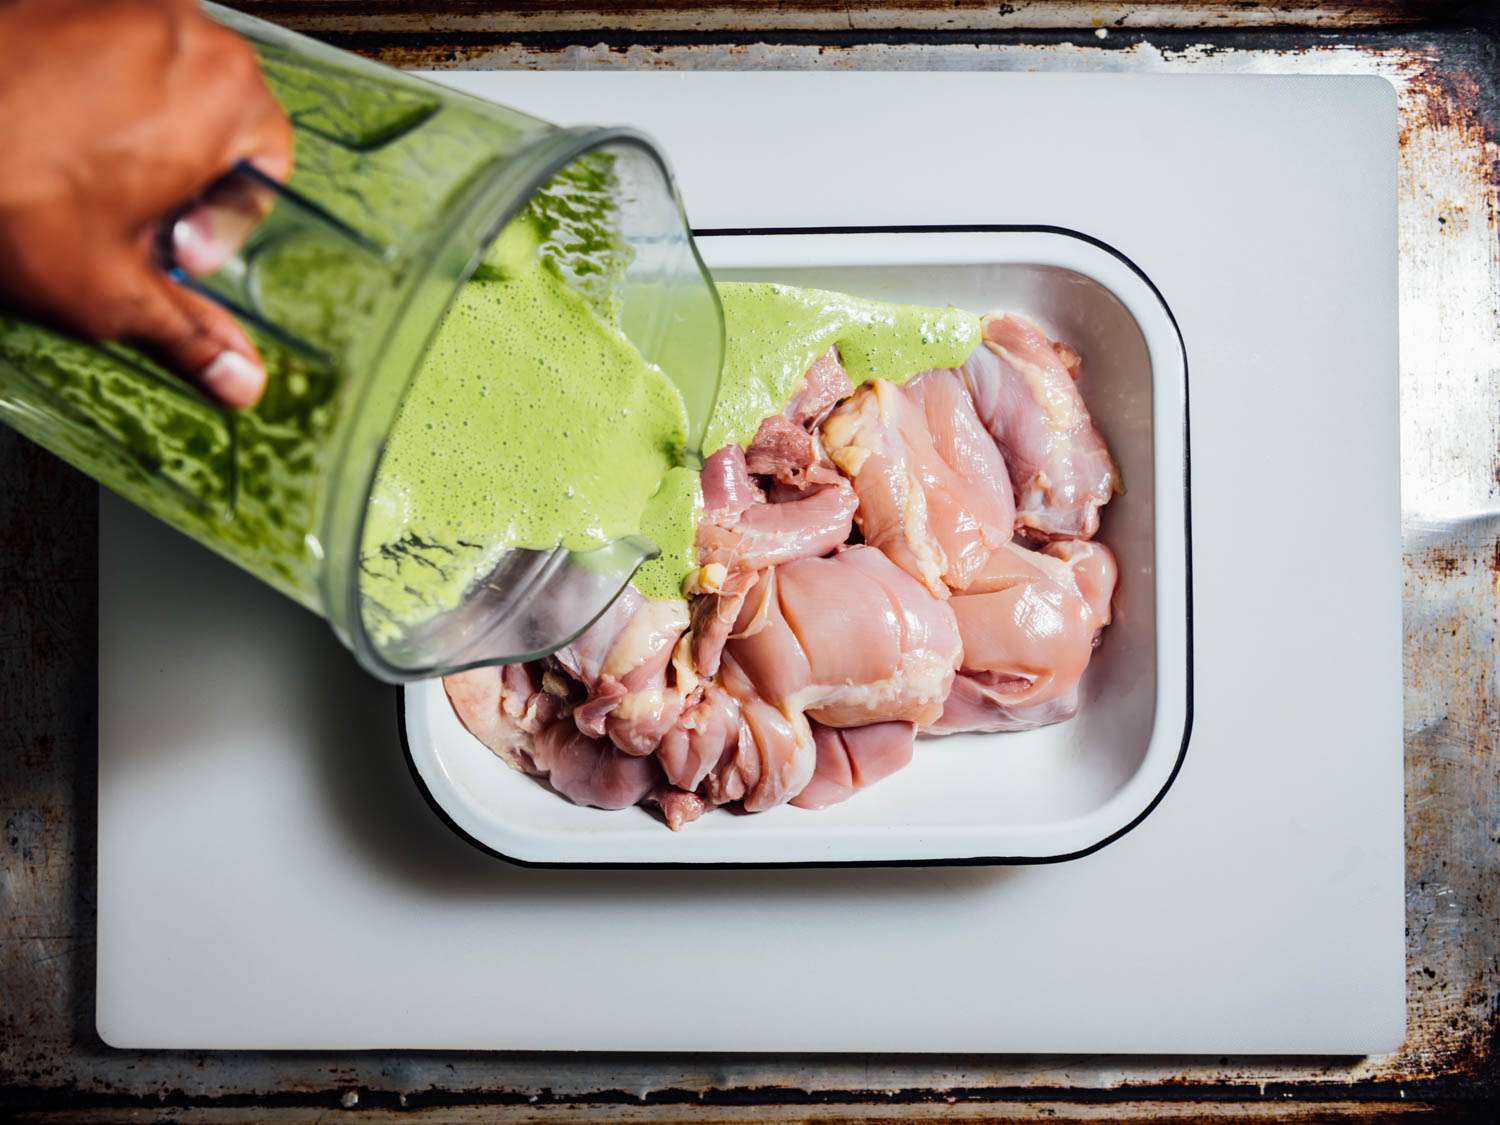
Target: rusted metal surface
833	16
1143	1113
1449	1067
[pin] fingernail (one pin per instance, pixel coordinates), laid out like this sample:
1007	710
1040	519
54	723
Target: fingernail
234	379
195	246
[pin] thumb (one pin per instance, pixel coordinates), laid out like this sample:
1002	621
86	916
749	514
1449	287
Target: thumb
197	339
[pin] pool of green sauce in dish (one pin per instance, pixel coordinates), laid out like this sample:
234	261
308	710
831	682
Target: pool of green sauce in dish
772	334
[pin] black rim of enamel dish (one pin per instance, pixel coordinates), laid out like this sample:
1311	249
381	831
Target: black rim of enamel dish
956	861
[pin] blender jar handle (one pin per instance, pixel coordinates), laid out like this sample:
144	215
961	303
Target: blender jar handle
215	244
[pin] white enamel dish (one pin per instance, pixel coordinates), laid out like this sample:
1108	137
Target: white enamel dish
1046	795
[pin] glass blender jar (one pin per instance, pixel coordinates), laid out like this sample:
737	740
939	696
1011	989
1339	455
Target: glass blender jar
399	188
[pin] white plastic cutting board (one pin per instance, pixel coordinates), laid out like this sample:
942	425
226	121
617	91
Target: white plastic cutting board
269	876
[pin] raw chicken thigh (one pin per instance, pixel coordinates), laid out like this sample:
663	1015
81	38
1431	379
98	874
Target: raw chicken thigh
850	759
1029	621
771	759
807	655
1022	385
511	712
505	708
623	662
694	747
806	524
786	447
936	514
850	639
591	771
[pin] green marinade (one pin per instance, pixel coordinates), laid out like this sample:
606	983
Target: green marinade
774	332
535	423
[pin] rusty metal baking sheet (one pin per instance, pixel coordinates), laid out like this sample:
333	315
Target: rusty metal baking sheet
1450	339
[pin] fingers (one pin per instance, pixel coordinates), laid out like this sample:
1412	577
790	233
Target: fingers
184	331
195	338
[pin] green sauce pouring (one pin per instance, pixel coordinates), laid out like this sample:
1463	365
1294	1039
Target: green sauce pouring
534	422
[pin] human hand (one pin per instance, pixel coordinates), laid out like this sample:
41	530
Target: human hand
117	113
